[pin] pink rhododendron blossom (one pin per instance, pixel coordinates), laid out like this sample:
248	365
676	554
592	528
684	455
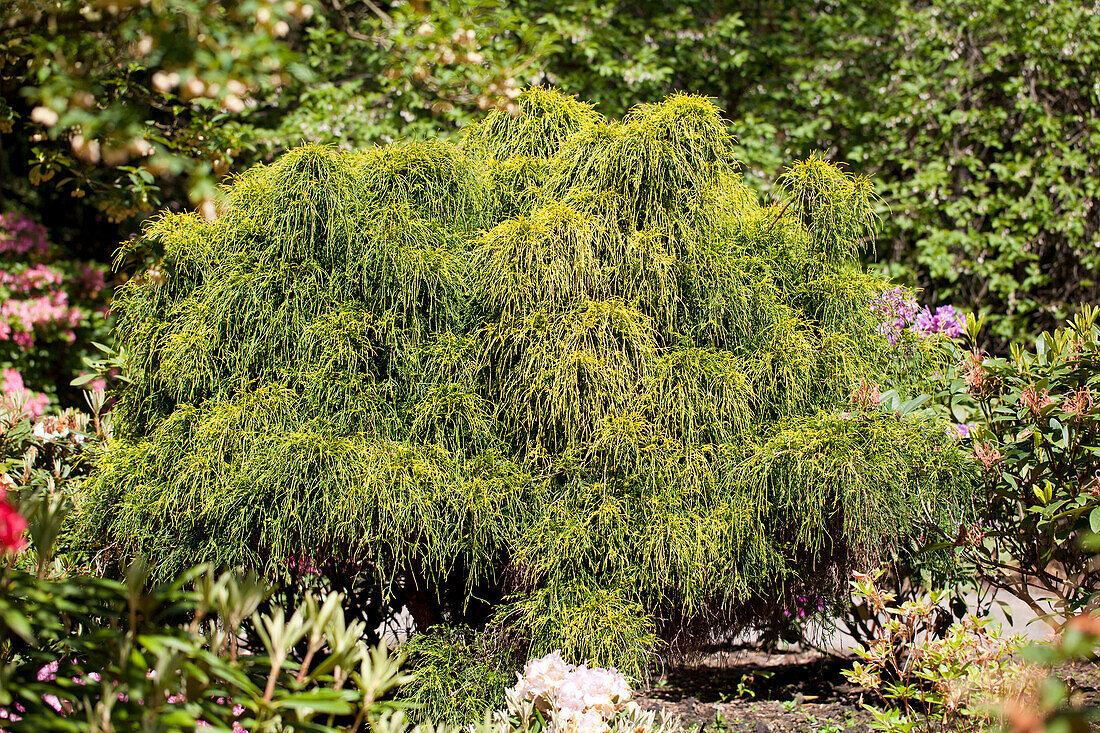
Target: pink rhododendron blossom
21	318
22	235
543	676
17	398
36	277
48	673
95	385
580	699
92	281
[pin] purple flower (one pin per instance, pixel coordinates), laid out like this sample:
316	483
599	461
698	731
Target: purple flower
945	320
895	307
949	322
964	431
924	323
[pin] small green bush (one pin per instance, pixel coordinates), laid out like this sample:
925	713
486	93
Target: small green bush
568	378
458	674
1035	435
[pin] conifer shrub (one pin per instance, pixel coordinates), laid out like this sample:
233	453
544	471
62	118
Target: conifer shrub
568	378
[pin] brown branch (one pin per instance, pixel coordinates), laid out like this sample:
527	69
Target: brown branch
781	211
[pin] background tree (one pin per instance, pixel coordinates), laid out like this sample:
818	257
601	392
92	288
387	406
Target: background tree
568	380
978	120
974	116
109	111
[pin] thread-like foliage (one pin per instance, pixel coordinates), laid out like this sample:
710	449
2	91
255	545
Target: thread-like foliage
568	378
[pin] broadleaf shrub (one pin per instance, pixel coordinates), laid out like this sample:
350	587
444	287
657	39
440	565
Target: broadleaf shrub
974	115
1036	431
568	378
930	678
81	652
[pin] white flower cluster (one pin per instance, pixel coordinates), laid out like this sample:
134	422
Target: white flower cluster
54	428
577	699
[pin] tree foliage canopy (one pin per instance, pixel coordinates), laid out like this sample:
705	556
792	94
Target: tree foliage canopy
567	376
977	117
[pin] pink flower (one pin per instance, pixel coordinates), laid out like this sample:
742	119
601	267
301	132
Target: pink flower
302	564
21	234
48	673
12	527
867	396
987	455
36	277
6	715
95	385
1080	402
579	699
92	281
976	378
17	398
1035	400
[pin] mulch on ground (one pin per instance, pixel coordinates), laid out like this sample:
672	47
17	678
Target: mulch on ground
784	692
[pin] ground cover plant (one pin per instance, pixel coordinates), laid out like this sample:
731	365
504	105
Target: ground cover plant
568	380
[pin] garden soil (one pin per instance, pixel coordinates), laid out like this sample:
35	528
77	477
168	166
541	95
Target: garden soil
759	692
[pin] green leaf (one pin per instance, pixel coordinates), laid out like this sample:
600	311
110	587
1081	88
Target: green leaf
17	623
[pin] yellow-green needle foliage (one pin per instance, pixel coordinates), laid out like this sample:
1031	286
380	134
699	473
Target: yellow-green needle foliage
568	377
